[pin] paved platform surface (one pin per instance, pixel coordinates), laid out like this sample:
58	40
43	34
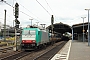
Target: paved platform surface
63	54
79	51
74	50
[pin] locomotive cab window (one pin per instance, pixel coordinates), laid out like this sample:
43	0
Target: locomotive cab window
29	32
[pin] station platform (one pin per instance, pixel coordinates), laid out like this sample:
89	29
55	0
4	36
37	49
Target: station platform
74	50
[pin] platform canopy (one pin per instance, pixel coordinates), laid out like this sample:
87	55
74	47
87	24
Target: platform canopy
78	28
60	28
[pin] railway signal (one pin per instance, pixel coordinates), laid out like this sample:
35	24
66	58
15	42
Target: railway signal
52	21
16	15
16	10
16	23
1	0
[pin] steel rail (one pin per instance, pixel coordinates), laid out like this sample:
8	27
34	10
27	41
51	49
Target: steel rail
50	53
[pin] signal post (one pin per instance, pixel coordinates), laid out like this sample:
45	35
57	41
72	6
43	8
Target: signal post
16	24
52	21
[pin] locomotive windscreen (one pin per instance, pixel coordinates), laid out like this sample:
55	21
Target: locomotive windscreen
29	32
28	35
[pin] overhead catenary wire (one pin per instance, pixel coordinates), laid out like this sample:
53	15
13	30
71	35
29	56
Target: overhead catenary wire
27	10
30	12
24	12
13	7
7	3
20	11
43	8
50	7
28	15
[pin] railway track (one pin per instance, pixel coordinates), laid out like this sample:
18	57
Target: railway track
49	54
16	55
44	54
2	49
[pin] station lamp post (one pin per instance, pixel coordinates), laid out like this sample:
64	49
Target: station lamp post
72	33
5	26
83	27
88	28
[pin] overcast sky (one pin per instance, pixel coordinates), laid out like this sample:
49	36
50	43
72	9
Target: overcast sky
65	11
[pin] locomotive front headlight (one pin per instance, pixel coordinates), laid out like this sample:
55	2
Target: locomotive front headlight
34	41
23	41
